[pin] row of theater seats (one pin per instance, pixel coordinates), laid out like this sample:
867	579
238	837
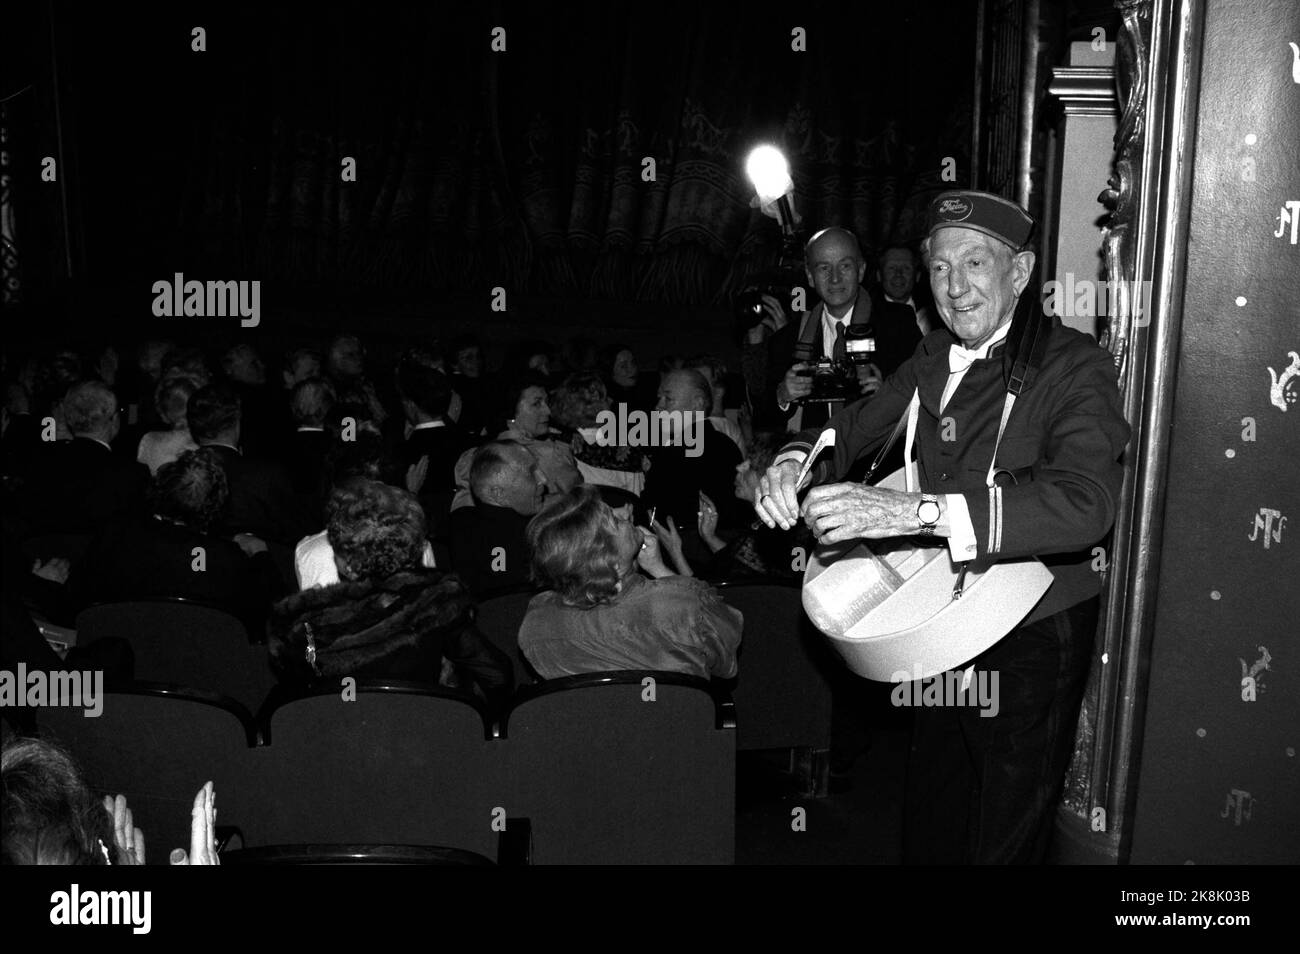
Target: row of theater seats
782	696
597	782
595	769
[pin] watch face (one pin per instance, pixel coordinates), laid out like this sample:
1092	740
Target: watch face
928	512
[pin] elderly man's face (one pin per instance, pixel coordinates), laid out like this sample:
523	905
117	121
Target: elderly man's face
976	280
898	273
525	487
835	269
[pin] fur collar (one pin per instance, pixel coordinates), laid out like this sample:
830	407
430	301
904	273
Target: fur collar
355	624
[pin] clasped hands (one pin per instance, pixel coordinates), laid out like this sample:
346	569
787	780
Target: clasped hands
834	512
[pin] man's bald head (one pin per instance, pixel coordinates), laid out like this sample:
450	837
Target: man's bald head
835	235
685	390
835	266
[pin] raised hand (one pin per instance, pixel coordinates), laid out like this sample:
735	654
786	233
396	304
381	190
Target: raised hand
203	831
416	474
128	838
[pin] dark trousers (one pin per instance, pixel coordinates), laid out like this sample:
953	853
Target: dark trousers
983	790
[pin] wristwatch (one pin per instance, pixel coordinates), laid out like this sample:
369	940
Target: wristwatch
927	513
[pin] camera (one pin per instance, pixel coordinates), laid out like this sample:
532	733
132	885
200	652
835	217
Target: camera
836	380
748	305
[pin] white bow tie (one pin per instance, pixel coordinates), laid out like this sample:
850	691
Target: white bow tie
959	359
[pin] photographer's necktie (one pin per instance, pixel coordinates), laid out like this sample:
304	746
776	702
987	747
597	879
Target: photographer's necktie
838	353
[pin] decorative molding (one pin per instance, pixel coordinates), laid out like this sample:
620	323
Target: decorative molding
1085	90
1145	241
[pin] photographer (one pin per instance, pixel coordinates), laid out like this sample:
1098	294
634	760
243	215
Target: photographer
835	267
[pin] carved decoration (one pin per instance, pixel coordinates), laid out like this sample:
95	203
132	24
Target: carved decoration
1082	794
1121	197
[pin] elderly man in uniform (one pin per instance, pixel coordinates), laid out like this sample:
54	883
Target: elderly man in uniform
984	790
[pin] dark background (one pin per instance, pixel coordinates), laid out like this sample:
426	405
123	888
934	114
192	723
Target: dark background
474	169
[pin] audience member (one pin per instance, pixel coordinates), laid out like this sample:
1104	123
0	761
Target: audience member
310	404
526	417
714	372
599	614
263	421
50	816
313	557
261	499
487	540
388	615
171	404
577	405
469	380
433	442
755	551
173	552
623	380
696	459
79	486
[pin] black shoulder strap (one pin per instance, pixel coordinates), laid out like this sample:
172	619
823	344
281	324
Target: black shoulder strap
1026	343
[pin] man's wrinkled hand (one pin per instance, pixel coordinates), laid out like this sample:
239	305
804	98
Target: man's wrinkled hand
778	500
839	512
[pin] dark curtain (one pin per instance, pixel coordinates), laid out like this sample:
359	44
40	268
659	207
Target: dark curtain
521	168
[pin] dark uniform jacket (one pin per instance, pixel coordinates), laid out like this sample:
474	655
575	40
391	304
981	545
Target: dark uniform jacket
1062	447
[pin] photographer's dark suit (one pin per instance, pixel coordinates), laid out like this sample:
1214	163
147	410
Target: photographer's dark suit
896	338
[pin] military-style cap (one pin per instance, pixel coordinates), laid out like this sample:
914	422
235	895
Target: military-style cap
983	212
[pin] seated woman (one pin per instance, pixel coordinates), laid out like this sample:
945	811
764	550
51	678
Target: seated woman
756	551
526	417
388	615
576	406
159	447
600	615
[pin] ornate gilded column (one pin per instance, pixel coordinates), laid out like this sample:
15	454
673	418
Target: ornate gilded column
1158	69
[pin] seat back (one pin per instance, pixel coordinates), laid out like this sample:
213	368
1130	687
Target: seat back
157	745
184	643
782	694
354	855
614	769
401	764
499	619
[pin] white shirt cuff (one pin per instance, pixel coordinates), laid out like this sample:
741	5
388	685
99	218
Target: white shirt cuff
962	544
798	457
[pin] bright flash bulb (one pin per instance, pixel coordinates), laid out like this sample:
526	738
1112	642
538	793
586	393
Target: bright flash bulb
770	173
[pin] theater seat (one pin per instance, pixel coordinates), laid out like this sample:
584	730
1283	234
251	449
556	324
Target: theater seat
354	855
499	619
402	764
157	745
184	643
612	769
782	694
